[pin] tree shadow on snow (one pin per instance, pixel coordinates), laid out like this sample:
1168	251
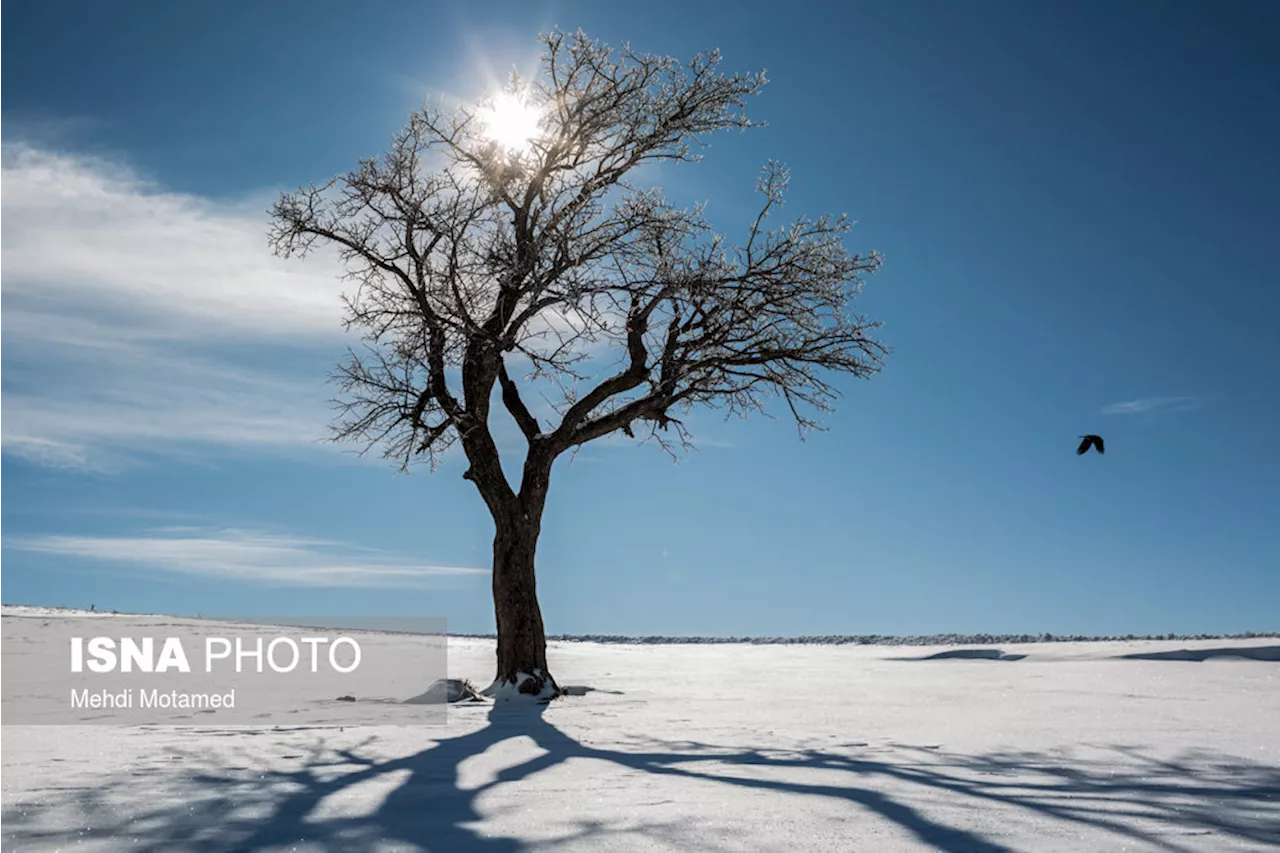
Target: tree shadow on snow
1133	797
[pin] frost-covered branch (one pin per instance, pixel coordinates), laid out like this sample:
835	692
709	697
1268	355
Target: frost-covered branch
468	257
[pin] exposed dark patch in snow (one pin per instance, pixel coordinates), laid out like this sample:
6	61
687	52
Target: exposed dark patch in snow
969	654
580	690
1267	653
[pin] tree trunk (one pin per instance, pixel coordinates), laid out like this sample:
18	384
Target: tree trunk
522	640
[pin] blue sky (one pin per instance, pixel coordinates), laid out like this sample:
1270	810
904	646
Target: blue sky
1077	205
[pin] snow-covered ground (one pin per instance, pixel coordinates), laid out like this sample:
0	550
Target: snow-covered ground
711	747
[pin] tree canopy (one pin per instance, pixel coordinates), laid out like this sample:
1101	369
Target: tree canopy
475	258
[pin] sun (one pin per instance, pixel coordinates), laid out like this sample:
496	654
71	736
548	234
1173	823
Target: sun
511	122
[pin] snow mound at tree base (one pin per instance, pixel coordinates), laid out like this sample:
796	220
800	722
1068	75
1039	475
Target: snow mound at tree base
536	686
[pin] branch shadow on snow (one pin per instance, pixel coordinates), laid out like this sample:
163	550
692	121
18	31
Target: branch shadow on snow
1127	794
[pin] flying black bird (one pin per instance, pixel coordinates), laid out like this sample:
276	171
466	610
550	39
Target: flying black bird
1090	440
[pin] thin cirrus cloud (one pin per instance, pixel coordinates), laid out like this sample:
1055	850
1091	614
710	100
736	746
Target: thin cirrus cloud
1147	405
263	558
141	319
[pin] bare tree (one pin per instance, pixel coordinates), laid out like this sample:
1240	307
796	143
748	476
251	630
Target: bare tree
531	274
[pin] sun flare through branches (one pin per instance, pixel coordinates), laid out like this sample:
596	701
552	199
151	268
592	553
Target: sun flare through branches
511	121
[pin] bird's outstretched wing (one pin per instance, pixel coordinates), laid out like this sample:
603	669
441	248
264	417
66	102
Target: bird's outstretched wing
1097	440
1084	446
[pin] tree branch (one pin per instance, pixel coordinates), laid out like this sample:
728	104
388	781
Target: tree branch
511	399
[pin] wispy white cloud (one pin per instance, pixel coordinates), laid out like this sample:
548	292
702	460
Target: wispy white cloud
1151	404
132	314
264	558
137	319
49	452
84	229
